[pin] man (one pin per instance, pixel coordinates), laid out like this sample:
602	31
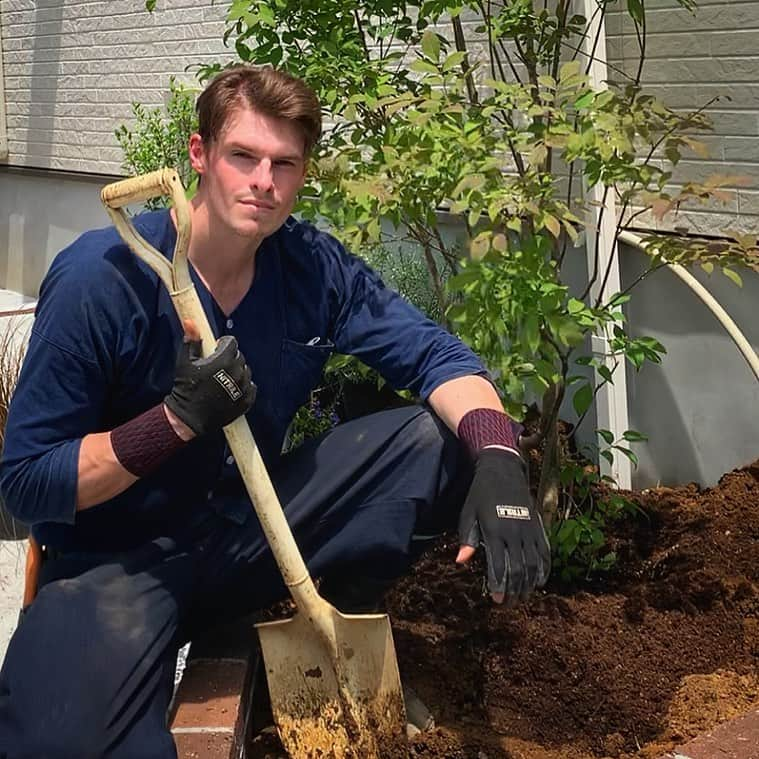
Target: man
115	452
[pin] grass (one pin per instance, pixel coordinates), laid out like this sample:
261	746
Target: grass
12	347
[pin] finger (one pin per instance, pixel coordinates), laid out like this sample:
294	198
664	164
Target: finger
517	581
497	559
497	597
191	331
465	554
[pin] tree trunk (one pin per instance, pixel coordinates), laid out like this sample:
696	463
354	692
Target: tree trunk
548	489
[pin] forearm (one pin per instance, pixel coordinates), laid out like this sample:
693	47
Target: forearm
452	400
102	473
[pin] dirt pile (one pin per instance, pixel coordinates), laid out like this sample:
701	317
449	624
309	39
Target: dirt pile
629	665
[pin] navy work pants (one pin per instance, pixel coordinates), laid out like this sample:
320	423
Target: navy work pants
90	670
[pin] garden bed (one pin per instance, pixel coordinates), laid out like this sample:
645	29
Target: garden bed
631	664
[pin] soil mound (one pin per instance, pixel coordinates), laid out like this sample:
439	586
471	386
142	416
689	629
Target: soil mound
629	664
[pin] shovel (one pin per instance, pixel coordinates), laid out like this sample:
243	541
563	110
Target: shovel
333	678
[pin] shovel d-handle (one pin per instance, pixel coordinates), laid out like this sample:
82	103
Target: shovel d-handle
176	277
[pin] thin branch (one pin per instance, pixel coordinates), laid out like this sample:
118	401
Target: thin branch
596	253
449	257
423	239
561	13
592	55
639	279
607	273
460	41
569	205
640	33
360	27
596	390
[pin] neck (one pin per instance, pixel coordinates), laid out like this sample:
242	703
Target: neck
224	260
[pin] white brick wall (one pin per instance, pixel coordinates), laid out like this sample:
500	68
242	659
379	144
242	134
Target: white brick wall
692	58
73	67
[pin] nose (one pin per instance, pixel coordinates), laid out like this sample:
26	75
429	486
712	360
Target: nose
262	178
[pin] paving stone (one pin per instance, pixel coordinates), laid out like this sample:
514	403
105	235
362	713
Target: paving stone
736	739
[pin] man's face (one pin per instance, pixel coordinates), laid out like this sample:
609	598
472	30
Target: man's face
252	173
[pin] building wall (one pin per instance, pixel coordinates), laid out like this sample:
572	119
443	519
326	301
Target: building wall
73	68
699	406
41	215
71	65
692	58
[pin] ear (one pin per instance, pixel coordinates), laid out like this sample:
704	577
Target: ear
198	154
306	167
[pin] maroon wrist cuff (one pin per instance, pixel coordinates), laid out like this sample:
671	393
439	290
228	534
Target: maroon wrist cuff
483	427
142	444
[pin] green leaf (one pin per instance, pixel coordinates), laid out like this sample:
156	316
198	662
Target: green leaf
733	276
634	437
569	69
150	5
636	10
454	59
585	100
423	67
606	435
582	399
628	453
431	45
532	331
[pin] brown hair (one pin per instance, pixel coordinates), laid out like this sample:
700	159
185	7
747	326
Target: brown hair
264	89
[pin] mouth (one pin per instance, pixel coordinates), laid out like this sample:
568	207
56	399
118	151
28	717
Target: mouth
258	205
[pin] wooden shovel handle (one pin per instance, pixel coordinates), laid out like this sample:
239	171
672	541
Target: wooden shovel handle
116	196
142	188
247	456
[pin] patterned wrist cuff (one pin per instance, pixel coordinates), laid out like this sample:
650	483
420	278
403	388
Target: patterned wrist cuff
142	444
488	428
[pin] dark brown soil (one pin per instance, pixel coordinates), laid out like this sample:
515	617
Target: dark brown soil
629	665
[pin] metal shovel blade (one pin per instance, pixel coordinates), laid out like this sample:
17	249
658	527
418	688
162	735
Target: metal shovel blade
344	704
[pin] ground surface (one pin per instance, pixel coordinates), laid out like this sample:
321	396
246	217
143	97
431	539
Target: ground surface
12	558
663	649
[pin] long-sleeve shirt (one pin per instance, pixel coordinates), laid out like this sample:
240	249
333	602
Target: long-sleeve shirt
103	349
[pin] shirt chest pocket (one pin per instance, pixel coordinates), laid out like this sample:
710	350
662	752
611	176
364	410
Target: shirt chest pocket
301	368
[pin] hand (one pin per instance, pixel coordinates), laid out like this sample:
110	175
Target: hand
211	392
499	514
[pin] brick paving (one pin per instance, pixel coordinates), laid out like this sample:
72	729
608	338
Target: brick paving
735	739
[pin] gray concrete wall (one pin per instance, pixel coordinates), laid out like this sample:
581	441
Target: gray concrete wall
700	407
40	215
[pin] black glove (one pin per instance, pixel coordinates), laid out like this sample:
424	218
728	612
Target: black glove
211	392
499	514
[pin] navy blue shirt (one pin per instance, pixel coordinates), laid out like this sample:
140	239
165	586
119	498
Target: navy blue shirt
103	350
